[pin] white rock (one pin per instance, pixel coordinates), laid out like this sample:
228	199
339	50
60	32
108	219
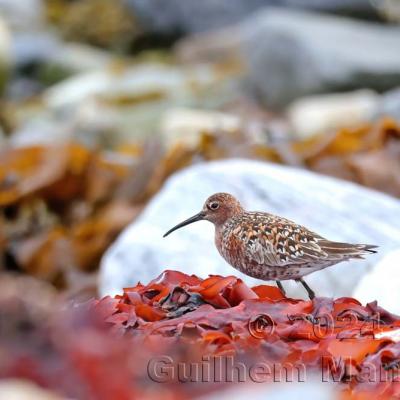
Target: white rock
319	114
134	98
6	58
383	283
185	124
21	389
46	48
79	57
41	129
139	80
390	105
300	385
336	209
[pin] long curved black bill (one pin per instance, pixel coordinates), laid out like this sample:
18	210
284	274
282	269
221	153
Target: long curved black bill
195	218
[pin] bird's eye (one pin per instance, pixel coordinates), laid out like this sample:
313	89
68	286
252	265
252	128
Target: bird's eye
214	206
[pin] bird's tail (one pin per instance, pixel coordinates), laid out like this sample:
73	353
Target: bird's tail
365	249
347	250
369	248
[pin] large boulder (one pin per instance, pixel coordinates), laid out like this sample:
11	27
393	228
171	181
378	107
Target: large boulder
382	282
293	53
336	209
197	16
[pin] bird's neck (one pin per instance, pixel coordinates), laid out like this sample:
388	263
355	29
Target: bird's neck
222	226
218	236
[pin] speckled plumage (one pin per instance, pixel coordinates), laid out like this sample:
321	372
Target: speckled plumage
266	246
269	247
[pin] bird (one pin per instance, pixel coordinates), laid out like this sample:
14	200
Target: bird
270	247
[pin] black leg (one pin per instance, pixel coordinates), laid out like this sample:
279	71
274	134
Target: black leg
279	284
310	292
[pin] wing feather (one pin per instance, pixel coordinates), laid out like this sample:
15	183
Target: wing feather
277	241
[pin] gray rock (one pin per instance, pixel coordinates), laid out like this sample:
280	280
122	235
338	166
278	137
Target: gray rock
336	209
23	15
390	9
198	16
293	53
33	47
28	42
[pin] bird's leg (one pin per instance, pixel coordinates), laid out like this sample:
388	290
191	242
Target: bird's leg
280	286
310	292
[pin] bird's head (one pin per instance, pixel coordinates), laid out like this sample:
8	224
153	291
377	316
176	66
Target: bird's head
217	209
